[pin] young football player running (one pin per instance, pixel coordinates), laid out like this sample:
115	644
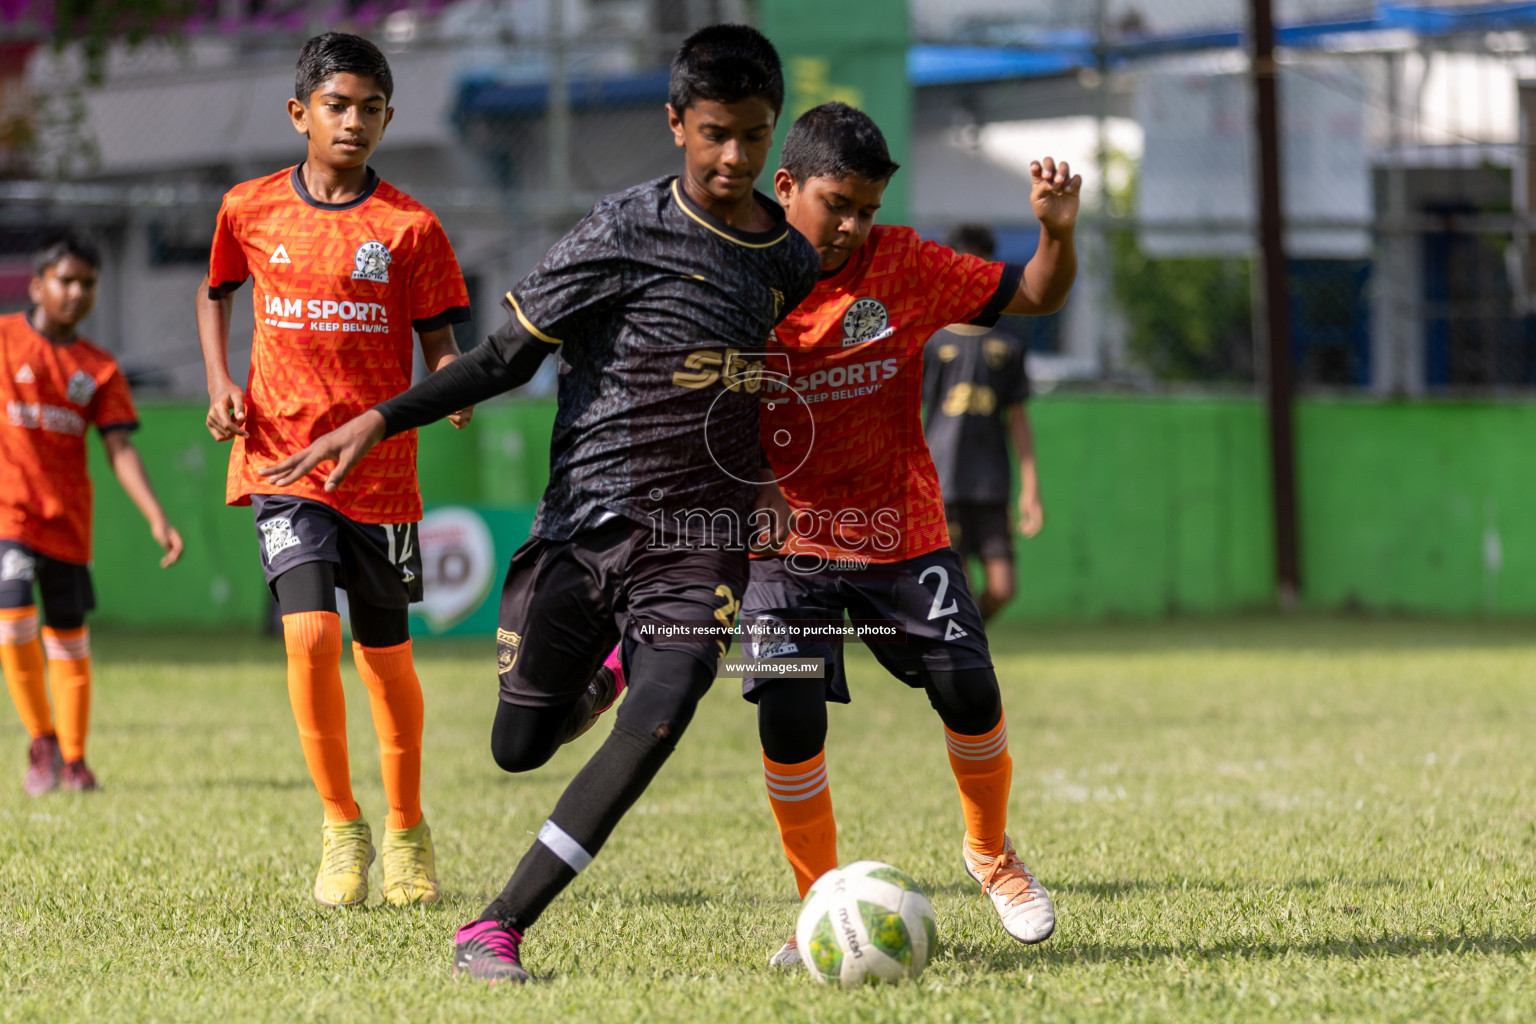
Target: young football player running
345	267
868	533
659	303
55	384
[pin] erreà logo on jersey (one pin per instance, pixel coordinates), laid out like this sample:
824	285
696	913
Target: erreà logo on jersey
866	320
371	263
280	255
81	388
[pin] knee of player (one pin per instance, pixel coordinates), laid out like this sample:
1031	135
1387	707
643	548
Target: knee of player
968	700
1001	583
665	686
519	757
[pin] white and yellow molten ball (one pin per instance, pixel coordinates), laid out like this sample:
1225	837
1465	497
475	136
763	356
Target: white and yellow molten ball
865	922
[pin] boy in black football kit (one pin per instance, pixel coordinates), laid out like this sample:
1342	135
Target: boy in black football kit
975	387
659	304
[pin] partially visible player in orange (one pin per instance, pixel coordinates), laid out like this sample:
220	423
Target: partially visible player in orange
867	536
55	384
345	267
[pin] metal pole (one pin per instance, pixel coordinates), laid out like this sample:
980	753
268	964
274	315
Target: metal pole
559	116
1282	454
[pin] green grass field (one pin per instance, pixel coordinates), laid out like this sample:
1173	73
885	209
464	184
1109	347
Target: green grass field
1307	820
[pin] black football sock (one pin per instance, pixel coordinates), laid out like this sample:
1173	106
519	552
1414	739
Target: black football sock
664	689
583	819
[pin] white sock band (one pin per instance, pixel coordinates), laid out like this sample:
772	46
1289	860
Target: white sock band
563	846
15	632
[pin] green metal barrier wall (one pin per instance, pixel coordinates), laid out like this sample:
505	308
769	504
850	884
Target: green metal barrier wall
852	51
1152	506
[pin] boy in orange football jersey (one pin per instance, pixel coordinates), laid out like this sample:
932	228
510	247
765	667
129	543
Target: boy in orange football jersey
867	533
345	267
56	384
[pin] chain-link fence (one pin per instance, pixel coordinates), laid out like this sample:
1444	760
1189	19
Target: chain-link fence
1404	178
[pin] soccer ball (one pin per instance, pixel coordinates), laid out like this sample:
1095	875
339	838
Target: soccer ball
865	922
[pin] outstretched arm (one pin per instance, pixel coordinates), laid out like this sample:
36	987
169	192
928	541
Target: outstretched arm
226	402
506	360
130	472
1049	274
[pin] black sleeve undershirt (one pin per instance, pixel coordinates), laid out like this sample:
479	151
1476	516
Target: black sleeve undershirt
1013	273
451	315
508	359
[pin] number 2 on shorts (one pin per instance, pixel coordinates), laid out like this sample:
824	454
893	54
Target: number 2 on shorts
939	608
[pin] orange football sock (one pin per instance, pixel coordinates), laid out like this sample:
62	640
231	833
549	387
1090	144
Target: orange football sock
21	658
983	771
319	706
394	693
69	677
801	798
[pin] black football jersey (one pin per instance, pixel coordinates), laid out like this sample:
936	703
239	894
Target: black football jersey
662	315
969	381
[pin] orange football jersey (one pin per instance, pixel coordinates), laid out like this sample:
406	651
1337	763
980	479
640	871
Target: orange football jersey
52	393
843	430
339	288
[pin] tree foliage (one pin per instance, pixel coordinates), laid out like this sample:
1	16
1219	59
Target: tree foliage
1186	318
96	24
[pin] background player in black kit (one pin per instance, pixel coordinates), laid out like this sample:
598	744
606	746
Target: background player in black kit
659	303
975	387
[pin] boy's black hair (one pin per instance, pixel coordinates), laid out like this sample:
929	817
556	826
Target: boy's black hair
62	245
834	141
337	53
973	239
726	64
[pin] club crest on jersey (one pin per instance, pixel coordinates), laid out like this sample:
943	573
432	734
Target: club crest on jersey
17	565
371	263
81	388
769	638
507	643
866	320
279	536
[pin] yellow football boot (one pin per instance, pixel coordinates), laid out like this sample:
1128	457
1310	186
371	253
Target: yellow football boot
410	868
345	854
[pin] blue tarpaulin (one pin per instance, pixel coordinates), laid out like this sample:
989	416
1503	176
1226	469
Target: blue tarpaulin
492	93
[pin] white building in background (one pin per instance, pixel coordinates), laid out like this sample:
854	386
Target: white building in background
175	128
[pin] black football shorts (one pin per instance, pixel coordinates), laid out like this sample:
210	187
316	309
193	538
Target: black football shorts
926	599
981	530
566	603
376	563
64	587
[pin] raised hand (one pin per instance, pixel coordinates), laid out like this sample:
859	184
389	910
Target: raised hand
347	445
1053	194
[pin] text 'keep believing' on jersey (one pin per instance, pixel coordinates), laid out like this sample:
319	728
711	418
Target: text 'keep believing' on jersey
339	288
661	314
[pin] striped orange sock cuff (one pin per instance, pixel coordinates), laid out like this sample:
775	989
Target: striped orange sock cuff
983	773
26	674
800	796
69	677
